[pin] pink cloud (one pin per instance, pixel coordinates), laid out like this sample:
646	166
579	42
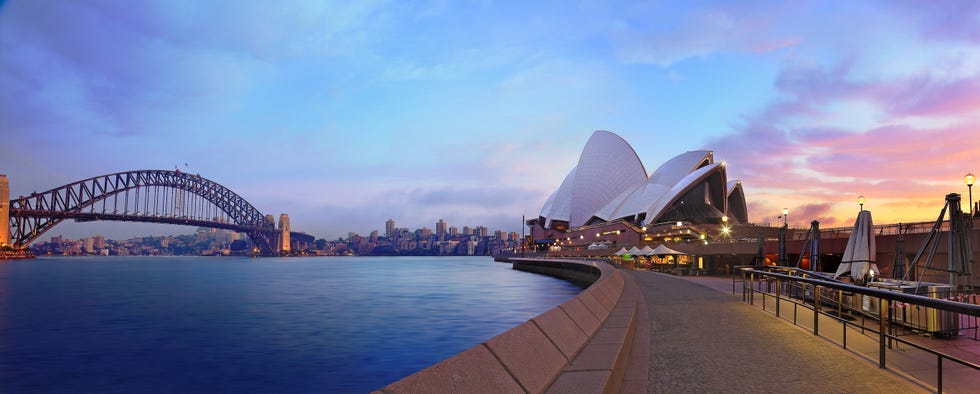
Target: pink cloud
775	44
790	158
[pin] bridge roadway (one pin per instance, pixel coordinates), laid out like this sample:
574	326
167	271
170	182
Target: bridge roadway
703	340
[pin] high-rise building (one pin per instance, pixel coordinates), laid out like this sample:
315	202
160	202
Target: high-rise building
467	230
389	228
453	231
441	227
4	210
284	232
481	231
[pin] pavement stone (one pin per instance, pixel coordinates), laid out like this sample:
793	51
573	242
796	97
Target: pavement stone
704	341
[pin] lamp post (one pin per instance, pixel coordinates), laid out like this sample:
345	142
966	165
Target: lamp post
861	202
785	217
969	179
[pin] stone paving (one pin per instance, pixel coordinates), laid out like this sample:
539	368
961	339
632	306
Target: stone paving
706	341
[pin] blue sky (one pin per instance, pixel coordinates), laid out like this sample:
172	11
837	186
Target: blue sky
344	114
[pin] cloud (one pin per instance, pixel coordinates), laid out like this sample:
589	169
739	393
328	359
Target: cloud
804	150
665	36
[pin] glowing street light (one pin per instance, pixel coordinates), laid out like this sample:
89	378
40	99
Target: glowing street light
861	202
969	179
785	216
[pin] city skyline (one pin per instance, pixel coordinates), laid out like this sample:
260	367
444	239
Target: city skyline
345	115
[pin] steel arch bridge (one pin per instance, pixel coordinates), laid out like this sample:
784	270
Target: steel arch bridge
153	196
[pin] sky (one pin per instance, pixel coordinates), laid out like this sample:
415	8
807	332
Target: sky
345	114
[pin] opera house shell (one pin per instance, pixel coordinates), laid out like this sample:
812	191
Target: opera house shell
609	183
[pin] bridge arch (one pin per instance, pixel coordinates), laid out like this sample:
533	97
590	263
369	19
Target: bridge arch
154	196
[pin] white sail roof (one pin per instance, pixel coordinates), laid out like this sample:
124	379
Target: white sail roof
609	182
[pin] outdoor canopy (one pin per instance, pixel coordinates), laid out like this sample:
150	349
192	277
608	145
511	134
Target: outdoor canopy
665	251
621	252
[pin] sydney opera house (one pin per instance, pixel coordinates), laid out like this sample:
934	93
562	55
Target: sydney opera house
609	194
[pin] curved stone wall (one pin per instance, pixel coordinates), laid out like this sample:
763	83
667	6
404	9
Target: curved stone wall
583	343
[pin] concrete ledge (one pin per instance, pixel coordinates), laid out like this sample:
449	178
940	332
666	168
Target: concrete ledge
602	364
473	371
582	345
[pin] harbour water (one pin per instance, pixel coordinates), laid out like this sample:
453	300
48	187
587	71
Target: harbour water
212	324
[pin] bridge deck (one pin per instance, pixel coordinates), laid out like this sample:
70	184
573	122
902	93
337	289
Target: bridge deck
703	340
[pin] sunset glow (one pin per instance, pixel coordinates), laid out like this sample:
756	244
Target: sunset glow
346	114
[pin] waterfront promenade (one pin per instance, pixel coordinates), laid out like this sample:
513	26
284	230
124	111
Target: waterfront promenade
703	340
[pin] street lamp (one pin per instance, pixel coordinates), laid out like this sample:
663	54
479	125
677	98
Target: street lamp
861	202
969	179
785	216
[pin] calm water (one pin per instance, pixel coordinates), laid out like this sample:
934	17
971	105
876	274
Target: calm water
210	324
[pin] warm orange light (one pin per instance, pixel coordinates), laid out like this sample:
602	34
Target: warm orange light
969	179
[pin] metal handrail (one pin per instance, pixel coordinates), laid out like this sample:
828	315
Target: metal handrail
951	306
882	295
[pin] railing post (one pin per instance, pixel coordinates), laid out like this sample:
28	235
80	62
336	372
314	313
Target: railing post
777	297
816	310
882	334
844	332
840	303
939	374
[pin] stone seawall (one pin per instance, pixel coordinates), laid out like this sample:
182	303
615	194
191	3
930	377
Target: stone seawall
582	345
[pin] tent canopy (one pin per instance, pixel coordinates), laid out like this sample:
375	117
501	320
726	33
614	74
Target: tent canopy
634	251
663	250
646	251
621	252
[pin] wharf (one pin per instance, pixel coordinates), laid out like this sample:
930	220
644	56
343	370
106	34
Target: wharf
705	341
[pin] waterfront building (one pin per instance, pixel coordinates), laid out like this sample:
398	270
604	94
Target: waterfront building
284	245
4	210
609	197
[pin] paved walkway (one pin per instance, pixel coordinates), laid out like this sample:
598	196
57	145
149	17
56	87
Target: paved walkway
705	341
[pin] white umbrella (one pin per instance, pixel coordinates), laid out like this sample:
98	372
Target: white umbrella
621	252
634	251
663	251
646	251
859	254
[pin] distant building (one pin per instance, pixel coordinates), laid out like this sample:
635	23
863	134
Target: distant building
284	245
4	210
390	228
